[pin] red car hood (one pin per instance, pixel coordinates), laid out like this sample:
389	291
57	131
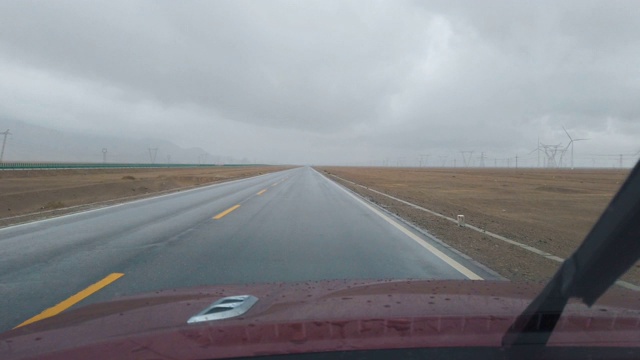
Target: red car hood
315	317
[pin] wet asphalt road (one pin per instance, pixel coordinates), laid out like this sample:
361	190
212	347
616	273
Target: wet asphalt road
294	225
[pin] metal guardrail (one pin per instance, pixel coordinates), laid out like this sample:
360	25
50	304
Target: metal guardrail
61	166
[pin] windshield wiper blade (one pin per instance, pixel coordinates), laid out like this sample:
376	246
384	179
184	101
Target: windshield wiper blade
608	251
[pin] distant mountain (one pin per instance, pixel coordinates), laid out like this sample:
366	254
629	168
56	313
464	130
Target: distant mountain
29	142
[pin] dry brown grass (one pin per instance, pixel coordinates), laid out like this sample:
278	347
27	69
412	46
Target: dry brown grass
551	210
25	192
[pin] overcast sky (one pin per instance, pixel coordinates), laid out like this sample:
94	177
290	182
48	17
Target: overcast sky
330	81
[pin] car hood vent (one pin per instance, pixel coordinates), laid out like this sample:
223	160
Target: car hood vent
225	308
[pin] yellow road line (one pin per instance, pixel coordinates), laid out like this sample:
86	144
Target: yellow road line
224	213
52	311
261	192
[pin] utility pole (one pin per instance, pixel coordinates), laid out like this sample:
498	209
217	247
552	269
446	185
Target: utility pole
620	161
153	152
444	159
423	156
465	159
202	159
104	155
516	161
551	151
482	157
4	142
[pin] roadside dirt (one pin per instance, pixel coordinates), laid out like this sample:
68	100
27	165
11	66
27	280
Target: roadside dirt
552	210
27	195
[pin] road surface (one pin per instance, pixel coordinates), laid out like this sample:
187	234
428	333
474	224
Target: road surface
294	225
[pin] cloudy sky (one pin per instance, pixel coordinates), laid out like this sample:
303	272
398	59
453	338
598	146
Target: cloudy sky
331	81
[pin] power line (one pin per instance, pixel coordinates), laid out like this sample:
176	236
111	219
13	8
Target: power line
443	158
482	157
4	142
466	157
153	152
551	151
422	156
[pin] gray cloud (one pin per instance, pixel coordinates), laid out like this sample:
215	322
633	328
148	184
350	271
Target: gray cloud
328	81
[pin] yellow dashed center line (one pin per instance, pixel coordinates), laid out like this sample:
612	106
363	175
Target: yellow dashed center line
52	311
261	192
226	212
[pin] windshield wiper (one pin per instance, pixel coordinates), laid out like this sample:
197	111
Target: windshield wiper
608	251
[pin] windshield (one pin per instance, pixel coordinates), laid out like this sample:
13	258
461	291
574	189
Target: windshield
164	146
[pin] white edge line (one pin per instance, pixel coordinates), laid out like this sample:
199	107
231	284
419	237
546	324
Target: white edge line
442	256
175	193
469	226
627	285
544	254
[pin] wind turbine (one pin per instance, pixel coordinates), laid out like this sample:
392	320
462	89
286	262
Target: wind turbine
538	150
571	141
